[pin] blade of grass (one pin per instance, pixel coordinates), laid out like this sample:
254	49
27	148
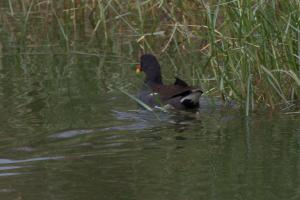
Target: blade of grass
136	100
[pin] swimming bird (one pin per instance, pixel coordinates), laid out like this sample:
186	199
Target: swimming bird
178	95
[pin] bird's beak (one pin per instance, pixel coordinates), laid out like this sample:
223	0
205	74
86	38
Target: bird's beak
138	69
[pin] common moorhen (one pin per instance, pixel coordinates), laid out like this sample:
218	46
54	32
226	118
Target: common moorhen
179	95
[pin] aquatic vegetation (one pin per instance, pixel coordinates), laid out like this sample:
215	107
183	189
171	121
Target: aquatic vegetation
248	51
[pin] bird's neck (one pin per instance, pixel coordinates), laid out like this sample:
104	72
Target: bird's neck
153	79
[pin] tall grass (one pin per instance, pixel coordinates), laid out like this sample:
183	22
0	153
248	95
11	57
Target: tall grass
243	50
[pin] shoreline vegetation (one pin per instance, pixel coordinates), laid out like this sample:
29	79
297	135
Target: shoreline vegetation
248	51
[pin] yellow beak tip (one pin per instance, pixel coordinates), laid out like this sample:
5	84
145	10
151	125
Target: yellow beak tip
138	71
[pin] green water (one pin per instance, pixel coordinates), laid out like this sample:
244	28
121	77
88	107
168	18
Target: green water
66	133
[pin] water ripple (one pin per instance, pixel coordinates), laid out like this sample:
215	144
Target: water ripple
11	161
71	133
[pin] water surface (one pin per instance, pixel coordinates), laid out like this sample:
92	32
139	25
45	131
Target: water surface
66	133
